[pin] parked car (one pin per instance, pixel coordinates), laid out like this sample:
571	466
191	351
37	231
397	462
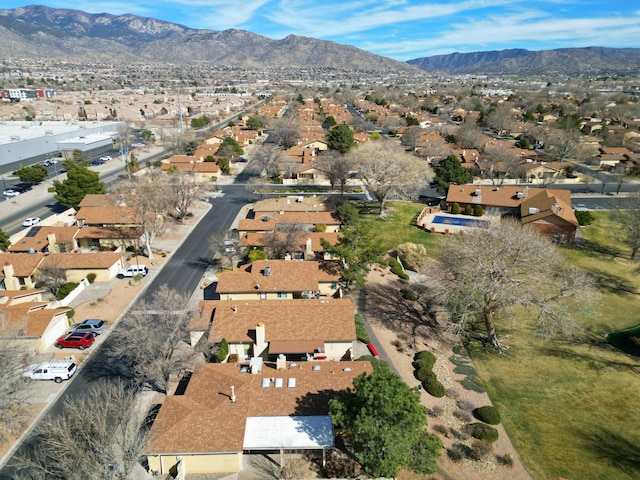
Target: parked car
23	187
50	161
76	340
30	222
56	370
90	325
133	270
106	158
10	192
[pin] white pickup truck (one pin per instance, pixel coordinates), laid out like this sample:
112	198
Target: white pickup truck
57	370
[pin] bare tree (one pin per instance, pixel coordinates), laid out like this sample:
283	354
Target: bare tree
183	189
494	270
628	221
501	163
51	276
124	130
14	411
501	118
619	174
604	178
385	168
223	248
177	142
284	131
587	180
337	168
411	136
148	342
469	135
99	435
268	157
286	238
393	124
148	199
564	144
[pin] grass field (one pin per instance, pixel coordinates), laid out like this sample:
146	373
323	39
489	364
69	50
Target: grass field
571	409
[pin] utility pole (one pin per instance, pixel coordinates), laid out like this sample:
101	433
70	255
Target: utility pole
180	109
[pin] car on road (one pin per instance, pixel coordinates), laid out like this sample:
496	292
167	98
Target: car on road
30	222
56	370
133	270
97	161
90	325
50	161
23	187
106	158
10	192
75	340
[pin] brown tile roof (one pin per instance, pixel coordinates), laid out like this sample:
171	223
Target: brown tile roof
325	320
204	420
109	233
292	204
24	264
39	241
286	276
71	261
505	196
268	221
181	159
258	239
547	203
30	317
109	215
99	200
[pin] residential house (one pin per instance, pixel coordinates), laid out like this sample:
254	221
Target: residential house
105	265
280	279
307	246
229	410
47	239
27	320
298	329
18	270
307	221
108	210
293	203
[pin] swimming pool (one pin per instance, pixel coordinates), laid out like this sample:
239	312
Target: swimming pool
460	221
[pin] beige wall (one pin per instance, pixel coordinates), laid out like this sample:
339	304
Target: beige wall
102	274
325	288
204	463
336	350
253	296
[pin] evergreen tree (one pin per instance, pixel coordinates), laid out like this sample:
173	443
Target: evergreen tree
449	171
340	138
80	182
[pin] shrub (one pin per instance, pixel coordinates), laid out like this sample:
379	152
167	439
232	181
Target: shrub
91	277
257	254
441	429
480	449
482	431
361	331
472	383
437	410
375	362
51	189
457	452
408	294
488	414
412	255
424	374
584	217
425	358
434	388
463	416
455	208
468	210
223	351
452	393
477	210
70	313
65	289
130	248
321	227
505	460
466	405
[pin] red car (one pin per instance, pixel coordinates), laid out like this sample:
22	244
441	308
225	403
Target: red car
75	340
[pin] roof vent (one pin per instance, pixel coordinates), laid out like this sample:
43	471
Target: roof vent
266	218
267	271
266	382
316	368
533	210
478	192
519	194
279	383
291	382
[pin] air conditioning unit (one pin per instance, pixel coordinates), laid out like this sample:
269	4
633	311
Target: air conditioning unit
533	210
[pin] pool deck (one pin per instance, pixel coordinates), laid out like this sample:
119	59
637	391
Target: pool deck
425	221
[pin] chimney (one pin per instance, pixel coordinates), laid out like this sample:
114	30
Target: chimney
233	394
8	270
308	247
526	192
260	340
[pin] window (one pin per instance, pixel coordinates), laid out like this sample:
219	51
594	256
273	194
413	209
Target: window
263	295
282	295
334	285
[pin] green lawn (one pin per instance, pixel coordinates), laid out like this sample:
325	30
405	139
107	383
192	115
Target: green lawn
571	408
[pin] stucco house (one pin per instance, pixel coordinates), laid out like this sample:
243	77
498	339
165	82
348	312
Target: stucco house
280	280
298	329
231	410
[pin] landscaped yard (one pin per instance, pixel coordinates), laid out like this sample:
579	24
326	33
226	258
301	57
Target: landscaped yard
570	408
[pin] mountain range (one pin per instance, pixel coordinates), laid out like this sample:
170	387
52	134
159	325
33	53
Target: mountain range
37	31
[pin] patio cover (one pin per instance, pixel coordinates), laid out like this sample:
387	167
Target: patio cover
290	433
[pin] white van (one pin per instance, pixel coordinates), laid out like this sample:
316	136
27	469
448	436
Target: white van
133	270
57	370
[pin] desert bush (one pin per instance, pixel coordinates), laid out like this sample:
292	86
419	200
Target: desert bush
412	255
441	429
91	277
488	414
463	416
505	460
452	393
480	449
458	452
434	388
482	431
466	405
408	294
436	411
424	358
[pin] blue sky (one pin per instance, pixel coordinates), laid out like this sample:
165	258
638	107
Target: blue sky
401	29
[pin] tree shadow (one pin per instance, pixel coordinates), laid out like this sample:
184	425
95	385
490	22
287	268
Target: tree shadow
593	361
610	283
594	249
613	448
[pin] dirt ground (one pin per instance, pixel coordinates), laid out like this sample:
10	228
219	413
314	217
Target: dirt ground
401	336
